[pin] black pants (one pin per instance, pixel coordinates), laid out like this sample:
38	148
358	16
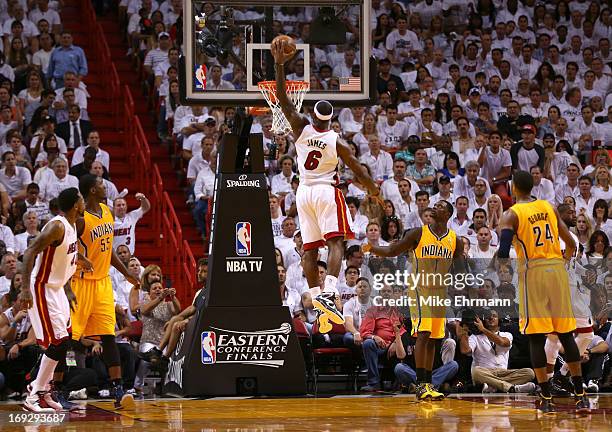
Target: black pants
129	358
78	378
594	368
15	370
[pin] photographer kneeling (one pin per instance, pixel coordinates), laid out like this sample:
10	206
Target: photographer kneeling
489	349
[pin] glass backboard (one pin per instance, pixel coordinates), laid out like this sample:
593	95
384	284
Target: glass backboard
227	50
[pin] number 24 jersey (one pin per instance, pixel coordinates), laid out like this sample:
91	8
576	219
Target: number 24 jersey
537	236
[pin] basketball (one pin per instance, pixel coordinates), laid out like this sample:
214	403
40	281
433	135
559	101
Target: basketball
290	48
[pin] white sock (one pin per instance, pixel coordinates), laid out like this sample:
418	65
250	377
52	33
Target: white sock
564	369
45	374
549	375
330	284
315	291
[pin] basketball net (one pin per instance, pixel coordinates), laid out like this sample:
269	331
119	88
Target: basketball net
296	90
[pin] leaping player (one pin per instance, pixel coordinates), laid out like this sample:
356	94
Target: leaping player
324	216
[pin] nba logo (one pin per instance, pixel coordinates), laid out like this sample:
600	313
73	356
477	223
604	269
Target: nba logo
209	347
243	238
200	77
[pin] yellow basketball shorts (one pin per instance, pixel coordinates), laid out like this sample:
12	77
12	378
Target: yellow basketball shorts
94	314
425	313
545	303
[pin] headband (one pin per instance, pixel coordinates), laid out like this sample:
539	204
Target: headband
321	116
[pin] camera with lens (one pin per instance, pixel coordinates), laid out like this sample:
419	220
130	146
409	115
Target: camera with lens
219	43
468	319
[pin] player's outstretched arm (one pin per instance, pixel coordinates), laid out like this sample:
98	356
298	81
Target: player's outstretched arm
344	152
566	236
407	243
296	121
53	233
72	300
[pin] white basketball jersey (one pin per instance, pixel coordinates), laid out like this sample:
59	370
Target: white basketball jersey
56	264
125	230
317	157
581	295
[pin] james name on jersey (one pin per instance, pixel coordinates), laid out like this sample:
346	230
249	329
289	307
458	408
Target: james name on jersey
316	143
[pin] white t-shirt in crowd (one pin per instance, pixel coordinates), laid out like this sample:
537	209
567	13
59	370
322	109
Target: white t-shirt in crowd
125	229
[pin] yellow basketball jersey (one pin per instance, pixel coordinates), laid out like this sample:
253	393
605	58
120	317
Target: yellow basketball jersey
537	236
434	254
96	243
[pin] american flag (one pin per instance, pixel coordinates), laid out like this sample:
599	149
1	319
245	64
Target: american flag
350	84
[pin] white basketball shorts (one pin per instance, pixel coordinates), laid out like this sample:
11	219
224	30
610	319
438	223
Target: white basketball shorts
323	214
49	314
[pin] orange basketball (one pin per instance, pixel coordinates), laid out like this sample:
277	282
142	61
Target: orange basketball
290	48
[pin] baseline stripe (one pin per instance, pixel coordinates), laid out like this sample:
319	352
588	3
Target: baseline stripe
338	211
43	307
341	205
39	296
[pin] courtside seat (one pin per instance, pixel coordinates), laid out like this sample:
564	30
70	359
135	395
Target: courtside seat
333	363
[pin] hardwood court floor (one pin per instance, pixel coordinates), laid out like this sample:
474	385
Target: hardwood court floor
340	413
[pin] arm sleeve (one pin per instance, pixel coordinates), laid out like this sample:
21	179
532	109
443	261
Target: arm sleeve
504	243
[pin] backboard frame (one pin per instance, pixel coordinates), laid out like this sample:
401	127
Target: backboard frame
252	96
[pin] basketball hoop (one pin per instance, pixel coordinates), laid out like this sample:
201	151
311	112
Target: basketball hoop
295	92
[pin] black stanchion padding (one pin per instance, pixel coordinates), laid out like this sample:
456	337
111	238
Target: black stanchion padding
241	340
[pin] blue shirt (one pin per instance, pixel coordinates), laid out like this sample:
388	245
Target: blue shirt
71	59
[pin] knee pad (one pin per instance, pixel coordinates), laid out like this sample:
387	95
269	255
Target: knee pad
110	352
572	354
552	347
58	351
536	347
583	340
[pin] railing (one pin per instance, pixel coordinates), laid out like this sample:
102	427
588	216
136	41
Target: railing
189	265
178	261
157	189
174	263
